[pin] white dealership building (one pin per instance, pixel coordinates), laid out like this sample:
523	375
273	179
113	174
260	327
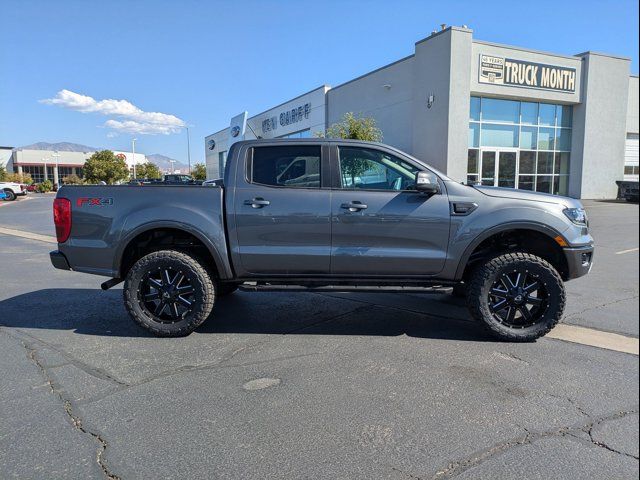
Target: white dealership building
483	112
54	165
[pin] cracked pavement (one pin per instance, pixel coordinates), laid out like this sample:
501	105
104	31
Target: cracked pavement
282	385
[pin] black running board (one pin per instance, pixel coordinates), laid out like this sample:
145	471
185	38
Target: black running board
267	287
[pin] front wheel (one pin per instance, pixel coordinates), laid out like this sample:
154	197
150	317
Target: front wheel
518	297
169	293
10	196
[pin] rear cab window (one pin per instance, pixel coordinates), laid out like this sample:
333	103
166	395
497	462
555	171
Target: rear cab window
290	166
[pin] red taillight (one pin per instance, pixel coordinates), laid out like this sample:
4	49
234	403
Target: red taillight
62	218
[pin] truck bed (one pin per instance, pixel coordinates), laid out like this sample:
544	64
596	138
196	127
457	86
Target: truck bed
105	218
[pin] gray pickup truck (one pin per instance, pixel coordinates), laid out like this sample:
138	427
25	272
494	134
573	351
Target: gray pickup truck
317	215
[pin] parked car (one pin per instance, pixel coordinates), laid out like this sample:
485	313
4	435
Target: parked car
13	190
326	225
628	190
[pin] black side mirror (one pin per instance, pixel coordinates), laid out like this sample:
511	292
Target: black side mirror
427	182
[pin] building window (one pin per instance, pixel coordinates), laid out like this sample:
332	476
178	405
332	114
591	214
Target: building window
35	172
525	145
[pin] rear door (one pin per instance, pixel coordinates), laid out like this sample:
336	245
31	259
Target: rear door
381	225
282	211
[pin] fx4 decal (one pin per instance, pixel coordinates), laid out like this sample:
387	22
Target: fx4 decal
94	202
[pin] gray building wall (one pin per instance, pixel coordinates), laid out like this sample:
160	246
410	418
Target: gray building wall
600	127
632	105
385	94
430	126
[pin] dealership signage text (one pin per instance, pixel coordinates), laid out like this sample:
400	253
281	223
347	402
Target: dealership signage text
507	71
287	117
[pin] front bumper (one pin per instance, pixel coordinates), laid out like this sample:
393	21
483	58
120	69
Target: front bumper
58	260
579	260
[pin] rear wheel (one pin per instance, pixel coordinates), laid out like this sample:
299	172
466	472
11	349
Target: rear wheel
517	296
169	293
9	195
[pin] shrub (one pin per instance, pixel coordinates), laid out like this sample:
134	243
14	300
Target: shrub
45	186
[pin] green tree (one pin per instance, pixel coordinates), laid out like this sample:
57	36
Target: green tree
3	173
148	170
104	166
355	128
72	179
199	171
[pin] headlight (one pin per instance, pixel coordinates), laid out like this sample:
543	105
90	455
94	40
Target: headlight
577	216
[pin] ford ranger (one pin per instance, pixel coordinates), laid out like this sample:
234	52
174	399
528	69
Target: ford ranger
323	214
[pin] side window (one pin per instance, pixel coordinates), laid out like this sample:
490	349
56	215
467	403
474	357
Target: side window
294	166
370	169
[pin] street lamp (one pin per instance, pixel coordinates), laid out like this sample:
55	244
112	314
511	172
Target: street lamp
133	148
56	174
44	160
188	149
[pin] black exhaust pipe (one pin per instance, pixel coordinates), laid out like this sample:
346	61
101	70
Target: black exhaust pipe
111	283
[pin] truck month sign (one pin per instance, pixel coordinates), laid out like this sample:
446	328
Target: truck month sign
519	73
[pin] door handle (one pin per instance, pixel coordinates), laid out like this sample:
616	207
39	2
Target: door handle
354	206
257	202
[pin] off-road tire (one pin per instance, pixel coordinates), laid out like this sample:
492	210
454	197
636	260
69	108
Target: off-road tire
484	277
10	195
199	277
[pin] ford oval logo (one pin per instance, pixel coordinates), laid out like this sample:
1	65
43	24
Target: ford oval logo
211	144
235	131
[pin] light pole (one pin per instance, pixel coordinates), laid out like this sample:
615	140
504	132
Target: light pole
188	150
133	148
56	174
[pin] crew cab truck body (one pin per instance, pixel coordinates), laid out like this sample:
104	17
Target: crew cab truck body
326	214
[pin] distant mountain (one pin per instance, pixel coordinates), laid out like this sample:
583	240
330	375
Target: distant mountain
61	147
164	162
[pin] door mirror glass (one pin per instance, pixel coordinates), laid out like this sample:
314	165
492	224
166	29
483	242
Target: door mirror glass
427	182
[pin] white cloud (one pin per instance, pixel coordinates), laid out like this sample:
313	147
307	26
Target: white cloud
134	120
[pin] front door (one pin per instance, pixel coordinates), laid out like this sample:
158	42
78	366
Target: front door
282	213
498	167
381	226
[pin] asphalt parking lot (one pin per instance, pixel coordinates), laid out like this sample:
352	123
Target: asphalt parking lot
282	385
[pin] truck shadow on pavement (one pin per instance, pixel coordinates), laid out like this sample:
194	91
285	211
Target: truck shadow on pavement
98	313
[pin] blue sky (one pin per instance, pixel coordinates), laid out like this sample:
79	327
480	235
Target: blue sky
201	62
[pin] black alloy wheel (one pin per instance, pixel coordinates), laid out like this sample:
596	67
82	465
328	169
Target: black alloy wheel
518	299
170	293
167	295
517	296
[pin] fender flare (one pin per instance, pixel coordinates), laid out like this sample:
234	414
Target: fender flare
221	265
503	227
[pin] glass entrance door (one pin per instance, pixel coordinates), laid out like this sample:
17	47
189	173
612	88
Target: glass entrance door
499	168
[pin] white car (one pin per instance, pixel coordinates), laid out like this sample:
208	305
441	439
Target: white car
12	190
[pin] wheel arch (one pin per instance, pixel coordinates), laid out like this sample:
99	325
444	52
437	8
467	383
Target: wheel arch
122	260
540	237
